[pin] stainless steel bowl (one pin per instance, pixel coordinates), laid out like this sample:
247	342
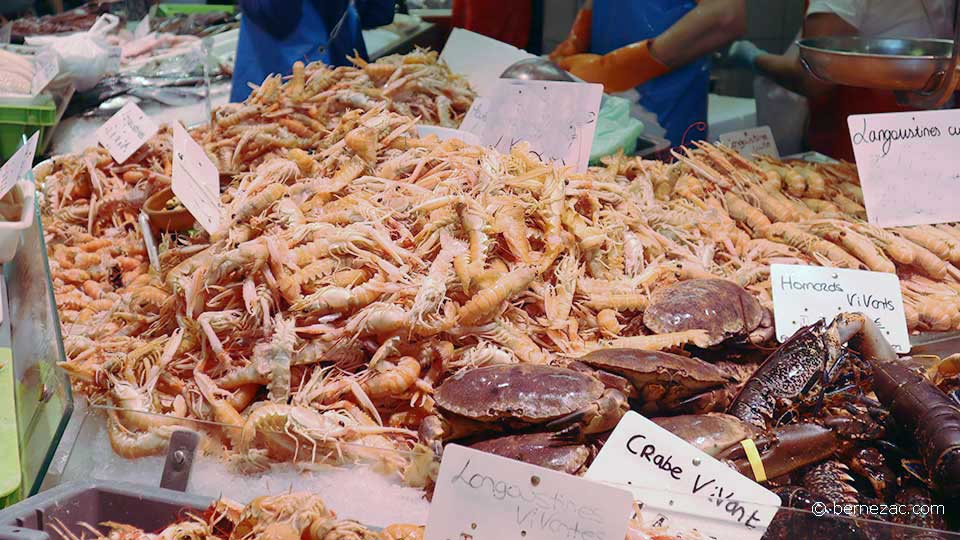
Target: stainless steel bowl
536	69
886	64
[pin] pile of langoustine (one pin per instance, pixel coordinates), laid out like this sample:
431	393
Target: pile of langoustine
297	114
363	275
806	213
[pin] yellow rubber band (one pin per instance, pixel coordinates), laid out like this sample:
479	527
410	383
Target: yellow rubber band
753	456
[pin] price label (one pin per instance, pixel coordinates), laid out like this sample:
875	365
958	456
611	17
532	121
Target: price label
687	489
143	28
46	65
803	295
18	164
750	142
557	119
907	163
480	496
196	181
126	131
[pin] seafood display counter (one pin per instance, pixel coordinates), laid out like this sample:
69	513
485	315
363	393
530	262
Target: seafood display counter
369	295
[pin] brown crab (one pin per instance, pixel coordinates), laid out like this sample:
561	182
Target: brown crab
516	396
709	311
661	381
712	432
542	449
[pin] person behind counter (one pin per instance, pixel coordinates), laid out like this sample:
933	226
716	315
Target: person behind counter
276	33
830	105
659	46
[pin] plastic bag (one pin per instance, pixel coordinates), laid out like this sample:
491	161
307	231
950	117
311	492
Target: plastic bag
784	111
85	57
616	129
649	118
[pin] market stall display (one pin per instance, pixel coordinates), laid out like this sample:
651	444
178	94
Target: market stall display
371	295
364	275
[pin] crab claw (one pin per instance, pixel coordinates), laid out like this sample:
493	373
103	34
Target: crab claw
765	332
431	433
597	417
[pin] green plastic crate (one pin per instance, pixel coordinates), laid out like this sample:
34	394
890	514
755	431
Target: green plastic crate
168	10
21	116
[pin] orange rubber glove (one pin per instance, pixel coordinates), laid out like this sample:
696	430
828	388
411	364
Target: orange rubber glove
579	38
617	70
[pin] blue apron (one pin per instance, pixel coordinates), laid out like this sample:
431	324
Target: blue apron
259	53
679	98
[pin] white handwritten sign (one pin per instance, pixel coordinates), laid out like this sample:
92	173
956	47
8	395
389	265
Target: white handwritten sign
46	65
803	295
908	166
750	142
482	496
557	118
126	131
689	489
196	181
479	58
18	164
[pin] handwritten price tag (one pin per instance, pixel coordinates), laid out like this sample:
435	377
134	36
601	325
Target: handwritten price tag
557	118
196	181
687	488
481	496
803	295
750	142
18	164
126	131
907	163
46	65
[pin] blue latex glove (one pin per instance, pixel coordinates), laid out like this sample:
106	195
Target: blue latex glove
744	54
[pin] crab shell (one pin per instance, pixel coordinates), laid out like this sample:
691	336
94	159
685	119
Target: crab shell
529	393
677	375
711	432
539	449
720	307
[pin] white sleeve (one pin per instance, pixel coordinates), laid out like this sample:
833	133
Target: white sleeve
852	12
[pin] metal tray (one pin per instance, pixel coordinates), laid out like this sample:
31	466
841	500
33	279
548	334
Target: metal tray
94	502
886	64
